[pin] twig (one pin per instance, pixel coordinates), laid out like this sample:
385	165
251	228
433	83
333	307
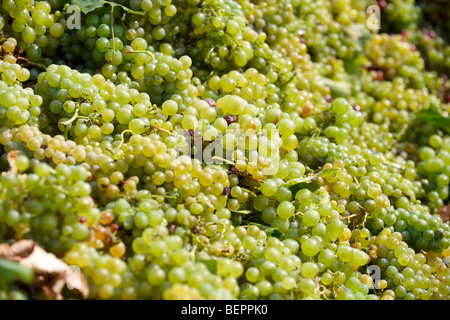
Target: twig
141	51
37	64
74	117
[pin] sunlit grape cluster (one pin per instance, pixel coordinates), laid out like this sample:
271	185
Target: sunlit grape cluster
193	149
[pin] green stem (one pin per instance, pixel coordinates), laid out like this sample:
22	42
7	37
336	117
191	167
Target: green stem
392	164
122	135
161	129
112	33
36	64
127	29
141	51
224	160
74	117
290	79
192	253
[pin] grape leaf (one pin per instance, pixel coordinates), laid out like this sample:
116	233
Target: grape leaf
328	173
311	186
268	230
309	182
87	6
338	88
127	10
11	271
357	32
320	196
354	67
211	264
215	166
433	116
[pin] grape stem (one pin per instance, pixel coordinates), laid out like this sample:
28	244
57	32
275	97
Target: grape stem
161	129
36	64
392	164
363	212
39	185
224	160
401	133
141	51
122	136
249	191
350	216
132	35
156	196
74	117
59	188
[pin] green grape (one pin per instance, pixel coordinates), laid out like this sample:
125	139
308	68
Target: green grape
310	269
310	247
311	218
28	35
285	210
39	17
169	107
269	188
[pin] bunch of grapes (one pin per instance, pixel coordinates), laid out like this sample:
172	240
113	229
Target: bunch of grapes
228	149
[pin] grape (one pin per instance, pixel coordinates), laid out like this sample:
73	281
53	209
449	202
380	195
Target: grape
340	106
311	218
269	188
285	210
169	107
28	35
310	247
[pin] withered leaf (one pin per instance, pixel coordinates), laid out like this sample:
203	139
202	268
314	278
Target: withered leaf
444	212
11	157
27	253
17	251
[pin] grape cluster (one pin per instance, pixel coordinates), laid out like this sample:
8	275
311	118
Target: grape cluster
228	149
51	206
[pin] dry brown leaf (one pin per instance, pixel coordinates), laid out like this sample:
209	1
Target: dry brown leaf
31	255
444	212
43	262
11	157
18	250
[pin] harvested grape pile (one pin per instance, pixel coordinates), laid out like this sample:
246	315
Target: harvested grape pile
225	149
